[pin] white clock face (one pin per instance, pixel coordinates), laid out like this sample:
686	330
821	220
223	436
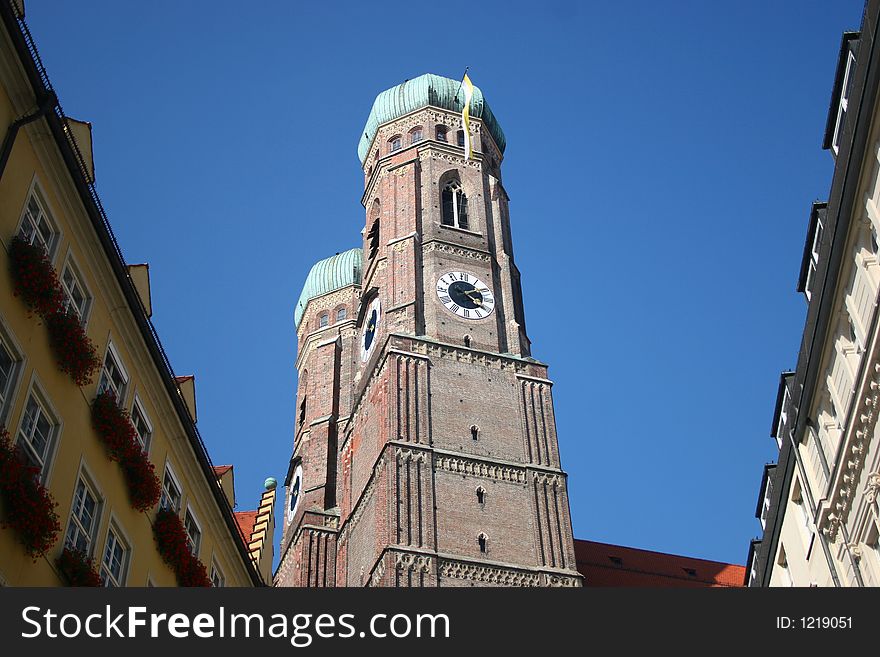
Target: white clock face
465	295
371	328
295	492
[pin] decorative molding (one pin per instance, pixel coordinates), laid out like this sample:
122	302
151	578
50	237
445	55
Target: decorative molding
852	460
548	478
477	468
873	487
413	562
377	574
489	574
460	251
465	355
405	454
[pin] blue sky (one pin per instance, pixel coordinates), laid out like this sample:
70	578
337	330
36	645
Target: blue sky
661	162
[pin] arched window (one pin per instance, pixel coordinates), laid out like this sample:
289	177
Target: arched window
461	138
467	341
483	542
481	495
341	314
373	239
440	133
454	206
415	135
395	143
475	432
323	320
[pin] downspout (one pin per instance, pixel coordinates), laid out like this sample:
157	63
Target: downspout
46	103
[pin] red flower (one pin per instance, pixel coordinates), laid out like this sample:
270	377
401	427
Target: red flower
78	569
114	428
75	354
34	278
172	542
30	508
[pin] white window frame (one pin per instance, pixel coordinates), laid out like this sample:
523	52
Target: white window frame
76	273
395	144
113	353
783	416
35	392
107	577
169	472
36	193
843	104
195	547
324	320
765	505
217	575
88	483
9	392
137	406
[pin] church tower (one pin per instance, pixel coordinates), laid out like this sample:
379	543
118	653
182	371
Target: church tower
425	451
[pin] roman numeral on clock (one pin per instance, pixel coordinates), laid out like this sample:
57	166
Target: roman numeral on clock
445	299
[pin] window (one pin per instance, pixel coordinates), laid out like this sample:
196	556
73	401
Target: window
141	423
765	508
753	572
36	434
373	239
783	417
395	144
814	258
75	296
171	492
483	542
9	367
323	320
461	138
467	341
843	105
475	432
83	518
115	561
797	496
113	376
36	225
341	314
481	495
218	579
441	133
415	136
784	572
193	532
454	206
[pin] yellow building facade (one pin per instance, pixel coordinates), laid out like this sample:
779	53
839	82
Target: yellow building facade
47	198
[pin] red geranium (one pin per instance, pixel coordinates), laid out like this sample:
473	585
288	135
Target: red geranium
78	569
75	353
30	508
34	278
171	540
114	428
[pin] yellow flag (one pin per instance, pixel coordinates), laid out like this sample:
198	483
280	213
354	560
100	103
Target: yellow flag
468	87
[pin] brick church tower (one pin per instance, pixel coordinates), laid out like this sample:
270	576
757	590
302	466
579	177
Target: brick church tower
425	448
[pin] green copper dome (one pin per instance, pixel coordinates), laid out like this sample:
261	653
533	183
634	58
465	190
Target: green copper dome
427	89
327	275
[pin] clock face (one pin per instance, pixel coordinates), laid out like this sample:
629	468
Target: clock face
371	326
295	490
465	295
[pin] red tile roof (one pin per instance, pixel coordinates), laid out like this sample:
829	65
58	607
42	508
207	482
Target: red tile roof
603	564
220	470
246	521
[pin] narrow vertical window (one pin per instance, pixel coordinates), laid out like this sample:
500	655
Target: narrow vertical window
483	542
9	368
415	136
475	432
193	532
481	495
36	435
115	561
142	426
76	299
441	133
843	104
454	206
83	519
171	491
113	375
373	239
36	225
395	143
461	138
341	314
324	320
